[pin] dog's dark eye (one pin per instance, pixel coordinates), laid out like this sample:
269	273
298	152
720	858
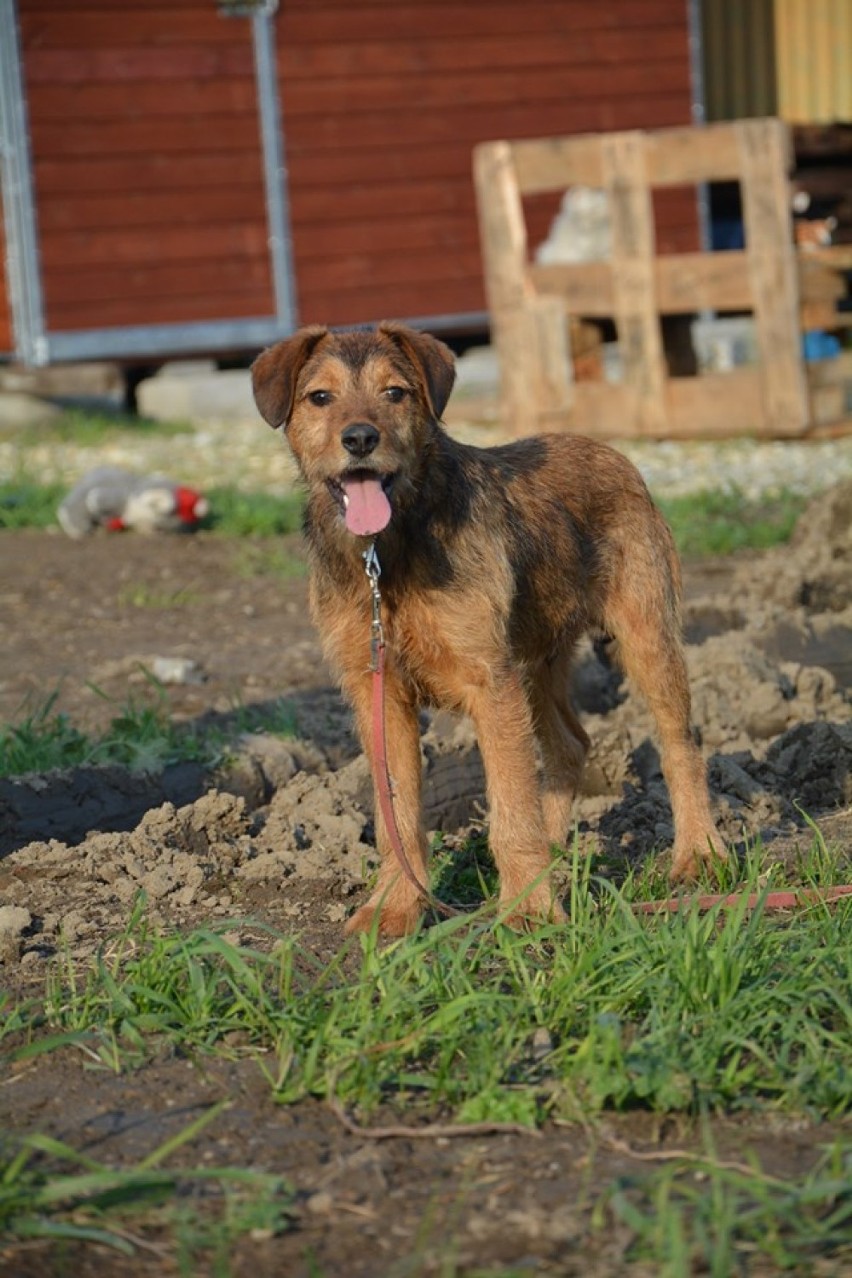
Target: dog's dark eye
320	398
395	394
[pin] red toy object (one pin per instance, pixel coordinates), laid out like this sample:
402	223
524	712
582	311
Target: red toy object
115	499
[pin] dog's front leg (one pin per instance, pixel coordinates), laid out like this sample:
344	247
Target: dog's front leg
396	898
517	835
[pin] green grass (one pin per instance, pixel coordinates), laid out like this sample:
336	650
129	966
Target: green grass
90	429
689	1014
26	503
50	1192
721	522
713	523
702	1215
139	594
267	558
240	514
140	736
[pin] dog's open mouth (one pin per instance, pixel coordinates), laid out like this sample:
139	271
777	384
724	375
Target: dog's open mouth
363	497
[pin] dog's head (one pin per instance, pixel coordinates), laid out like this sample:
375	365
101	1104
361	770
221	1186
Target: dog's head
357	409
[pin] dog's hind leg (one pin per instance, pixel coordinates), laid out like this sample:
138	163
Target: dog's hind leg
517	836
642	614
396	898
564	744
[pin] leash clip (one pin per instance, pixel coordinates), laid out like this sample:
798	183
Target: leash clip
373	569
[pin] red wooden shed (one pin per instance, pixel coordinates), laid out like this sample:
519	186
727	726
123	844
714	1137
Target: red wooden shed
203	176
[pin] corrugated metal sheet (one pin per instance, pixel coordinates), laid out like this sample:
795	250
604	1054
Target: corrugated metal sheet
738	38
814	58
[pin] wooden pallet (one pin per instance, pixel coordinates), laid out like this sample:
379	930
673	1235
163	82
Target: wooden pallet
538	312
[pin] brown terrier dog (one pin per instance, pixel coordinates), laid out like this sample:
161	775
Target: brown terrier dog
494	562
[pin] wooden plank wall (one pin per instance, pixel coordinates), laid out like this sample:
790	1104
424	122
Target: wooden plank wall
384	100
147	169
147	157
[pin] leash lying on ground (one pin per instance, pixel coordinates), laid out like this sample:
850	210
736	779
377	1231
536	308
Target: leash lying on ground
788	899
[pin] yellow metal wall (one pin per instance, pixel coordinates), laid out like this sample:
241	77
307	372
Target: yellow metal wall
813	41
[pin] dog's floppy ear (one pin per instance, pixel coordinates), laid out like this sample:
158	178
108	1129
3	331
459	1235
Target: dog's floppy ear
434	360
276	370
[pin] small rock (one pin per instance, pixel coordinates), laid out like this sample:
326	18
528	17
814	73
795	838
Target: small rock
542	1043
766	711
158	882
177	670
14	918
14	921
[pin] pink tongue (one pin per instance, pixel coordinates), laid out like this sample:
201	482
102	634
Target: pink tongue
368	509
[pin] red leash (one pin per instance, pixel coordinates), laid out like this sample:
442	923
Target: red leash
788	899
384	784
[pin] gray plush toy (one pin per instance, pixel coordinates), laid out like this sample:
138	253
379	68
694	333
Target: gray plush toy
112	498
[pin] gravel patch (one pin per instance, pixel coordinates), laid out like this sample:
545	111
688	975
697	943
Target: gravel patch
245	454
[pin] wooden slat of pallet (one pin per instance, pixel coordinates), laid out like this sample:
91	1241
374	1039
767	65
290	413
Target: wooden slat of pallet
764	149
634	294
684	282
551	164
836	256
831	372
674	157
688	154
818	281
829	385
503	236
716	406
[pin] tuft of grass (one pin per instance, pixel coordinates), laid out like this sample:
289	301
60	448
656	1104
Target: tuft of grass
238	514
141	595
139	736
49	1191
721	522
700	1215
26	503
267	558
40	741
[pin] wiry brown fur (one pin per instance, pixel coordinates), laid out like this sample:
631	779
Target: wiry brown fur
494	563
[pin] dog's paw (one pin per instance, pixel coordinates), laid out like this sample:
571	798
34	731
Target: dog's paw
690	857
537	907
393	920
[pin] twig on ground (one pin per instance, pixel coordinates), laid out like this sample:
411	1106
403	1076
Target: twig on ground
430	1131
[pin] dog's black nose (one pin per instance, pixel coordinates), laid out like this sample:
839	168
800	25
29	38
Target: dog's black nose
359	439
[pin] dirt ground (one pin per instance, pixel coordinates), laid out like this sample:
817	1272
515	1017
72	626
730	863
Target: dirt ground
283	834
